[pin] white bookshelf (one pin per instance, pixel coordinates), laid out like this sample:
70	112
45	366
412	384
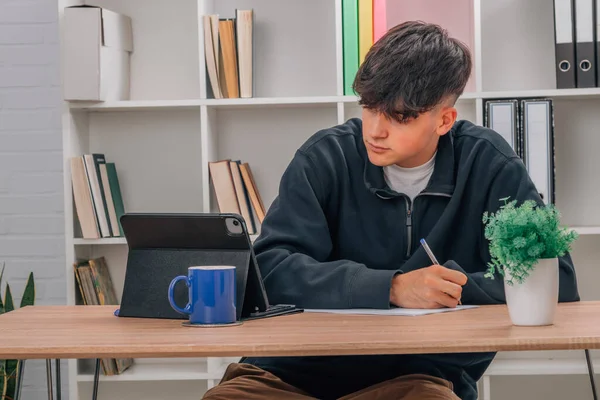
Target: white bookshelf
162	139
103	241
575	94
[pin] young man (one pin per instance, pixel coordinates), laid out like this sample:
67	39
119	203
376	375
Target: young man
353	203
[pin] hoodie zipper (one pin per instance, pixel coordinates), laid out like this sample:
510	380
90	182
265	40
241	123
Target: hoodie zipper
408	226
409	213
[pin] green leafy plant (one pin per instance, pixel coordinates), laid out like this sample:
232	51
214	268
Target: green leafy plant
9	369
521	235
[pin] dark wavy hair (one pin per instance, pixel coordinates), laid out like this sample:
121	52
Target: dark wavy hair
414	67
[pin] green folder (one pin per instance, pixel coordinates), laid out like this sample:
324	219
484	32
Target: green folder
115	190
350	43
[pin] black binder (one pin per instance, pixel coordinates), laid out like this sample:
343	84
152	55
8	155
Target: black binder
585	38
538	132
564	44
502	115
163	246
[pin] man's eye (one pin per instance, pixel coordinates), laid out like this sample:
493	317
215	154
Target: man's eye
403	120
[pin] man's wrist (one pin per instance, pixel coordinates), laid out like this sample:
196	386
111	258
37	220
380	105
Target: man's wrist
394	289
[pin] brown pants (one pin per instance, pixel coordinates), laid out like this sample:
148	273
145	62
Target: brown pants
246	381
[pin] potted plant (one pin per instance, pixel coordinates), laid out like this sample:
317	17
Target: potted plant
525	242
10	370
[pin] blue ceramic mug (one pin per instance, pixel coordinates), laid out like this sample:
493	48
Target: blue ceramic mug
211	294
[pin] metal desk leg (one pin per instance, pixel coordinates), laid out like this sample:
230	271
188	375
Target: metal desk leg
96	379
58	388
591	373
19	385
49	379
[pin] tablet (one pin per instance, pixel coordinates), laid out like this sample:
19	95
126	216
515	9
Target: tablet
163	245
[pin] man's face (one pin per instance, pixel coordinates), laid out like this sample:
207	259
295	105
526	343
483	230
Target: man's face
408	144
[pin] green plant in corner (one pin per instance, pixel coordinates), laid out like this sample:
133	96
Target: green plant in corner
521	235
9	369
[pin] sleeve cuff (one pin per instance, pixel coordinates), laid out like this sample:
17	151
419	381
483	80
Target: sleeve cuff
484	292
370	288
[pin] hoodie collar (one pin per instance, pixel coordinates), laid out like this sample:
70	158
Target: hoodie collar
442	179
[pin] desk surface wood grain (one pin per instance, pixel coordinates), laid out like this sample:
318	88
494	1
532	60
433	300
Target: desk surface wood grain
93	331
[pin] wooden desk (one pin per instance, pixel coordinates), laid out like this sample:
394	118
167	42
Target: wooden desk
55	332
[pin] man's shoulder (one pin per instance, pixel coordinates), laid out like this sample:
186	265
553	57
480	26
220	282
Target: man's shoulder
335	139
475	138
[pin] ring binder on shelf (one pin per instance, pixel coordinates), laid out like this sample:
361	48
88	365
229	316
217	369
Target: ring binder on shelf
538	135
502	117
585	43
597	37
564	44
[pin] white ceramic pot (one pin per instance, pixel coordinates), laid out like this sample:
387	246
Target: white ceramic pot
534	302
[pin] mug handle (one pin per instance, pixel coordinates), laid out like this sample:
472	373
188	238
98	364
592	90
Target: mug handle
185	310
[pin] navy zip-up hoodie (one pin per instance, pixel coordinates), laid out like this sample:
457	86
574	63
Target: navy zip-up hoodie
336	235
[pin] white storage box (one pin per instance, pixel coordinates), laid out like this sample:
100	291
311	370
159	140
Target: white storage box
97	48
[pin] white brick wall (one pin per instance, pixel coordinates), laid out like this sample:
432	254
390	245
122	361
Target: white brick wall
31	191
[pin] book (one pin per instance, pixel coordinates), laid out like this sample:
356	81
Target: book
365	28
253	192
92	162
228	47
242	196
350	43
211	53
82	199
379	19
115	195
245	38
229	54
83	275
97	196
108	201
222	182
96	288
236	191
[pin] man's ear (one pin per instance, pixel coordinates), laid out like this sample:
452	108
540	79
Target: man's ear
447	117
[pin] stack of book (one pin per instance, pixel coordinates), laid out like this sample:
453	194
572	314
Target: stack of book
97	196
228	50
527	124
364	22
96	288
236	192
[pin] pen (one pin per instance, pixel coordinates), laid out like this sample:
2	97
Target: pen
432	256
429	252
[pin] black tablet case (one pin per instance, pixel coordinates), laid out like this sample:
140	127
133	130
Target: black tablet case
163	246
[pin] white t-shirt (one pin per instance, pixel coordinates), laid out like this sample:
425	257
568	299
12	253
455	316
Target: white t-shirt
410	181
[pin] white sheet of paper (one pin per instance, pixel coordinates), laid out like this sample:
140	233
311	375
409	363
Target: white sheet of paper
394	311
